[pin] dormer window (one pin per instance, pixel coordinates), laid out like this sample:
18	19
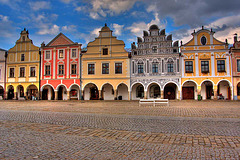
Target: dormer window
203	40
23	38
105	51
22	57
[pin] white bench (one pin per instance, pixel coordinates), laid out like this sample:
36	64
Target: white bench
153	101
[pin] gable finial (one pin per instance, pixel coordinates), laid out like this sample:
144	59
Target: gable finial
202	27
105	24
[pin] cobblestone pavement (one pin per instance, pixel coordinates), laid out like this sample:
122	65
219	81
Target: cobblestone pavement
79	133
214	109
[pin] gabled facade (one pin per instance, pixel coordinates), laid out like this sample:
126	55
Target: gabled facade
206	67
105	68
235	52
60	69
2	72
22	77
155	71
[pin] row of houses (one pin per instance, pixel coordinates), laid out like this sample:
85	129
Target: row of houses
155	67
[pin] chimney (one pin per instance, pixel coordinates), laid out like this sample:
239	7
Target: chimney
235	38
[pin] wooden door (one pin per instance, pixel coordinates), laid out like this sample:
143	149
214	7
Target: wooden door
188	92
169	93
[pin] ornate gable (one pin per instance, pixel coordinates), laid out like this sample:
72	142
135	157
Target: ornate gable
60	40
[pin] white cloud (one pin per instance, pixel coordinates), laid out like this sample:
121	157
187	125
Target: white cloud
70	28
94	15
4	18
117	29
137	28
38	5
55	29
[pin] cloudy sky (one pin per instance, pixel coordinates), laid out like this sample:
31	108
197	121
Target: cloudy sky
81	20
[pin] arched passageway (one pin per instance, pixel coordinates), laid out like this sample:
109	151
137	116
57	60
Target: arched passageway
154	91
91	92
32	92
170	91
48	93
137	91
207	90
10	94
122	92
189	90
224	90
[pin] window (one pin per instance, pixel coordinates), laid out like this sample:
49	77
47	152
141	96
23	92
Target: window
91	68
105	51
238	65
203	40
74	53
238	90
22	57
140	91
189	66
155	68
170	67
205	66
140	68
61	69
0	74
32	72
22	71
221	65
47	70
118	68
105	68
74	69
60	55
154	49
11	74
47	55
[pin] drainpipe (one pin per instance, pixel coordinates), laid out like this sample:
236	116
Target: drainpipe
80	72
39	74
130	72
6	54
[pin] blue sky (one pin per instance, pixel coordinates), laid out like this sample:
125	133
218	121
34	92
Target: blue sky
81	20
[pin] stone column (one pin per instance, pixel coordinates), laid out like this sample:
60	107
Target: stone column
26	95
15	95
68	95
162	94
129	95
215	94
179	95
56	95
100	94
115	95
145	94
5	94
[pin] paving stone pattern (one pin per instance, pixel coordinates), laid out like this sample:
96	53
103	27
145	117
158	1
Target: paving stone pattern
119	130
172	125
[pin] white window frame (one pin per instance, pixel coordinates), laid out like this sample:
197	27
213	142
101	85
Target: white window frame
63	70
59	53
76	53
20	71
45	56
45	69
94	68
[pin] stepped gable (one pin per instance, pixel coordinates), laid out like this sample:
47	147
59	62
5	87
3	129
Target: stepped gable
60	40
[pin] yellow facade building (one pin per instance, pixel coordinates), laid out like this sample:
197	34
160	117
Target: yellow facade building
206	67
22	81
105	68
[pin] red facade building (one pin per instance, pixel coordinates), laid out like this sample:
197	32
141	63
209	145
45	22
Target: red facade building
60	69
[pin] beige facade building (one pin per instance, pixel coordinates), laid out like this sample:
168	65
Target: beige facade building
105	68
